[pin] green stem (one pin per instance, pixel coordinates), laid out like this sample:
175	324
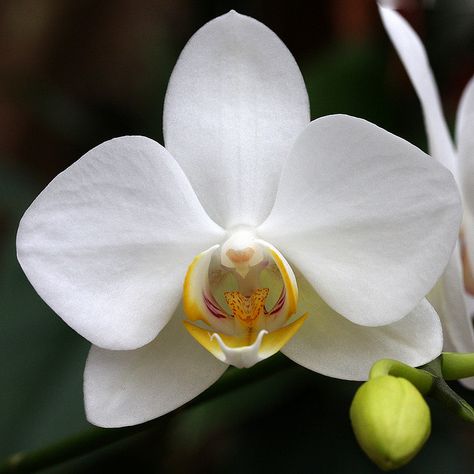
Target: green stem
457	365
95	438
442	392
421	379
90	440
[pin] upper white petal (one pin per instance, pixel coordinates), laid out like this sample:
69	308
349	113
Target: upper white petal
124	388
235	103
331	345
368	218
414	58
107	243
465	143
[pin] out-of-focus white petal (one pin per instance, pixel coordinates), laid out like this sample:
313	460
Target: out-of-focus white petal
465	143
367	217
107	243
447	297
235	103
331	345
468	238
413	55
449	301
124	388
464	124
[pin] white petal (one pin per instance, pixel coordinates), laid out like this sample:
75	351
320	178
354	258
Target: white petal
414	58
107	243
464	125
368	218
235	103
447	297
465	143
331	345
468	236
452	305
468	382
124	388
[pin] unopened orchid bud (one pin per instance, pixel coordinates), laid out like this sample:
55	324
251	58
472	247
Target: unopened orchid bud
391	420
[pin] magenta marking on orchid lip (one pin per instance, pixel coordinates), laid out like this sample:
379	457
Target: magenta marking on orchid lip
213	308
280	302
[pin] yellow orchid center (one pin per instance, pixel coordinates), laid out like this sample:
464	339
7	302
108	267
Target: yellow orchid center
239	298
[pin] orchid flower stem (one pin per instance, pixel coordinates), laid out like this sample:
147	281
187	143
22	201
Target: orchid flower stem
457	365
96	438
420	378
442	392
430	379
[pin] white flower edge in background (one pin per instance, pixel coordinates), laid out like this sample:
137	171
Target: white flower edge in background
357	221
449	298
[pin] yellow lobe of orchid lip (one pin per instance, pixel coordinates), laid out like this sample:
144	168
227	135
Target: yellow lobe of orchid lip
238	351
289	279
250	331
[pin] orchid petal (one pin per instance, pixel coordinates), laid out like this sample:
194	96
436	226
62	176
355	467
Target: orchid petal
465	143
413	55
235	103
468	246
107	243
367	217
331	345
448	299
450	302
124	388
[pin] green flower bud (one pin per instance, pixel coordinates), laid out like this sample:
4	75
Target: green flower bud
391	420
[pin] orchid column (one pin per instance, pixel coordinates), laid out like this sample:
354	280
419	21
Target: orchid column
263	217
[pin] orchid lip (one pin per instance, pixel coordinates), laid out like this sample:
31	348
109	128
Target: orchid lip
241	357
244	292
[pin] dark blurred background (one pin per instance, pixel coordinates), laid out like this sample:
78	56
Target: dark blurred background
76	73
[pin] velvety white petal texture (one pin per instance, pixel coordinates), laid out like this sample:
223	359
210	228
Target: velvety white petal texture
330	344
124	388
367	217
236	102
108	242
413	55
465	144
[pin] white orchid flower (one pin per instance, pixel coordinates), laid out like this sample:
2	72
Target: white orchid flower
247	194
448	297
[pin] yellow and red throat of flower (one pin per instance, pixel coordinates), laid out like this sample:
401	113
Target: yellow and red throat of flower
227	297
